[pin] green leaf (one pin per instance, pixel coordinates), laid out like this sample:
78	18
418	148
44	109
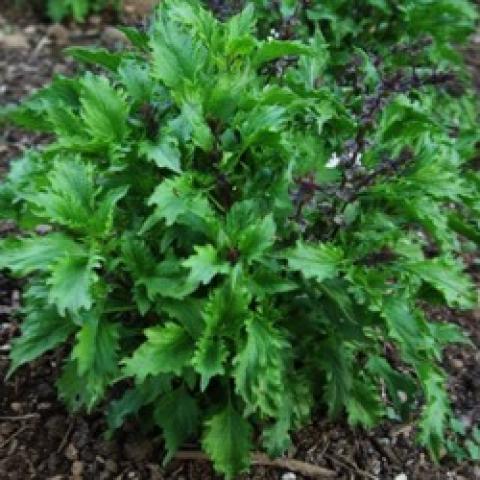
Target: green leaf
94	362
168	349
276	438
177	58
135	398
363	405
137	257
259	367
226	310
209	358
257	238
202	136
274	49
57	9
227	441
135	75
436	412
204	264
447	276
168	280
188	312
102	221
70	198
336	361
176	198
406	327
104	110
42	330
71	283
136	37
165	155
96	347
401	388
473	450
38	253
178	415
96	56
320	262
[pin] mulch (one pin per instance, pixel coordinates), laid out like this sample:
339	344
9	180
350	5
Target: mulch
40	440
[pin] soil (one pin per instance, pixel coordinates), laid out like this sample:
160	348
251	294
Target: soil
40	440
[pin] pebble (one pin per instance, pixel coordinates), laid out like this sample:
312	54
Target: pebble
138	7
17	407
14	41
77	468
43	229
71	452
58	33
289	476
457	364
113	35
95	20
30	30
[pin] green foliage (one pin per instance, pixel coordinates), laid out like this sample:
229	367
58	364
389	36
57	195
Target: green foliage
58	10
78	9
238	224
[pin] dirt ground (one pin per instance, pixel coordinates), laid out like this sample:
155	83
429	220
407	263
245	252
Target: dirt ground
40	440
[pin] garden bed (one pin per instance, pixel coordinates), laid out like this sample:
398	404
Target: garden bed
40	440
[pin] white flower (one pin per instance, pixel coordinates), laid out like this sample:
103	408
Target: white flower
334	161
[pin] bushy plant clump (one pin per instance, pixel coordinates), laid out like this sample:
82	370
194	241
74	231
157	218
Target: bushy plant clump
234	228
58	10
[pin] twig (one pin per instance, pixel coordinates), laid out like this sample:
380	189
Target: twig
19	418
306	469
66	436
41	44
13	435
349	465
385	450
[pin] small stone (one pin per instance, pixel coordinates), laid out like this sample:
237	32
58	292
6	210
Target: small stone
58	33
139	8
14	41
289	476
43	229
457	364
30	30
113	35
401	476
17	407
77	468
111	466
71	452
95	20
60	69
